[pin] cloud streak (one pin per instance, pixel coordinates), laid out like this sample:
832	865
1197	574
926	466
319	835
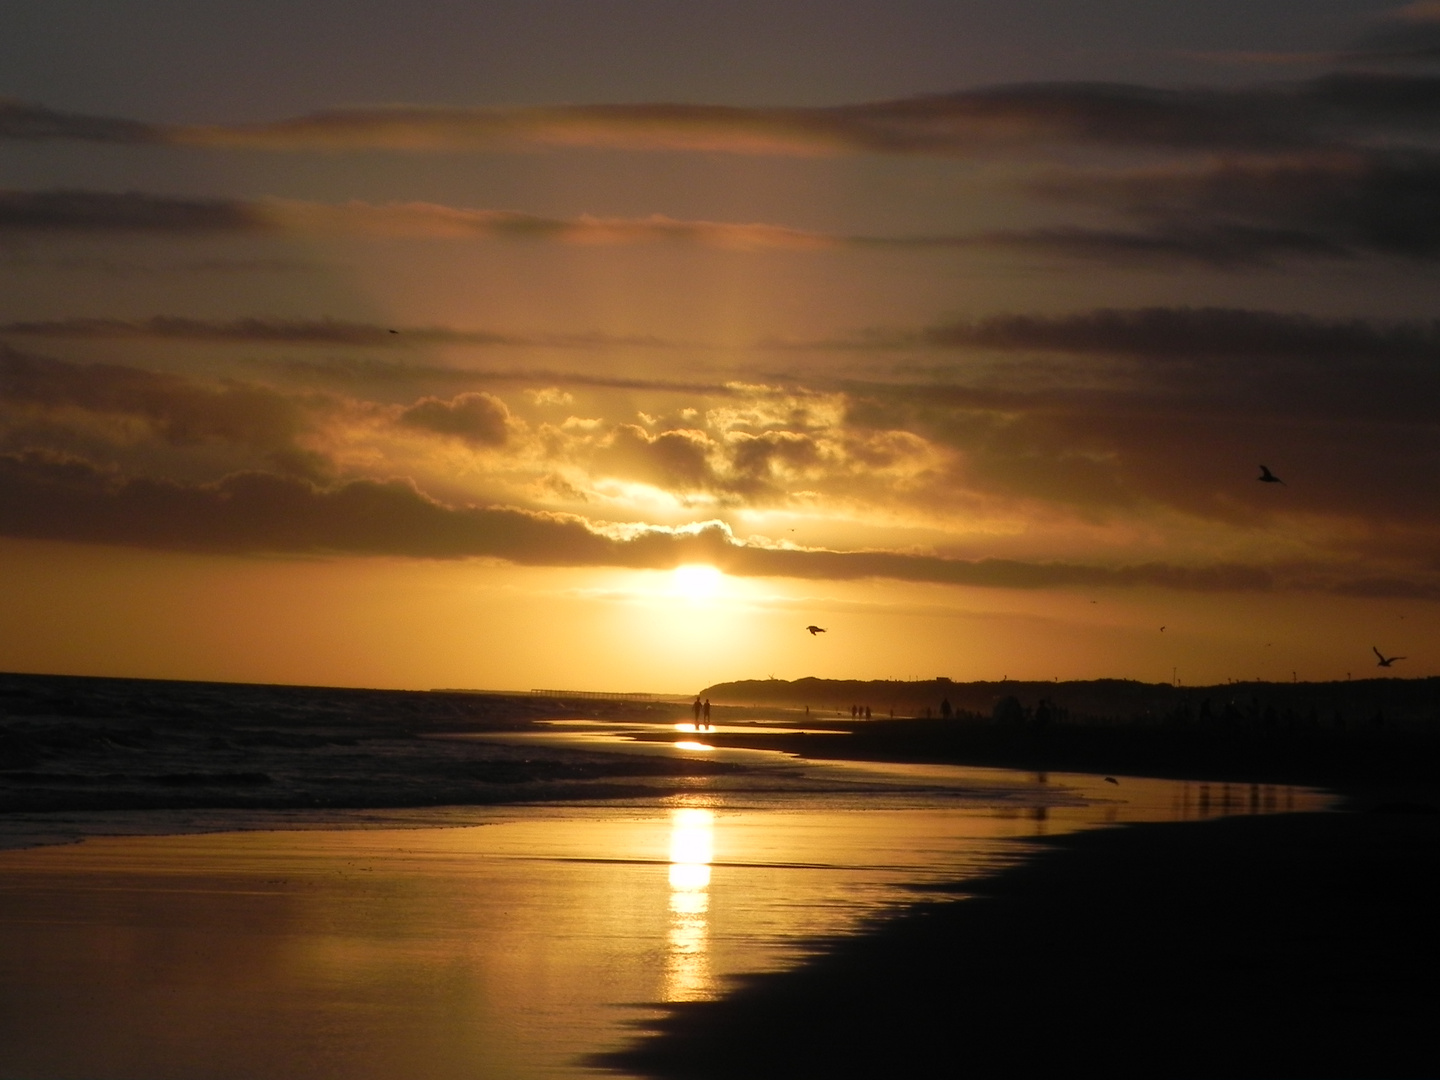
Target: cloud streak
37	213
63	212
1236	214
1178	333
1333	109
1245	212
317	332
1345	205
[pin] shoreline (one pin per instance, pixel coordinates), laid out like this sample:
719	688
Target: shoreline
1369	765
1290	945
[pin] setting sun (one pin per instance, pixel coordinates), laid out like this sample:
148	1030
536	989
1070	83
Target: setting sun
697	582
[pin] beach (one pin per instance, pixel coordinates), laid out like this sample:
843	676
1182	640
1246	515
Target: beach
1235	939
1299	945
1292	945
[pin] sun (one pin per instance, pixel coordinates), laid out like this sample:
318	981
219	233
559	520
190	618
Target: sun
696	581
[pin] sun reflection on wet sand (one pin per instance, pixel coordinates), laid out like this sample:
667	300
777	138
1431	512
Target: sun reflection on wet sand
687	961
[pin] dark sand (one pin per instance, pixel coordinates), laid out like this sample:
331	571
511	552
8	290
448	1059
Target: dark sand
1300	945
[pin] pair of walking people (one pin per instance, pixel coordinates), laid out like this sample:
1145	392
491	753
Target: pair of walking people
701	709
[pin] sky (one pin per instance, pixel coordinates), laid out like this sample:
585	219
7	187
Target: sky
607	344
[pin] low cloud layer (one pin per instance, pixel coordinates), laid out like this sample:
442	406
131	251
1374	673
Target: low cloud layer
1336	109
50	497
54	498
1107	423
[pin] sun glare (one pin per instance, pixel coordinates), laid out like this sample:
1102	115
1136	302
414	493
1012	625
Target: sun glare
696	581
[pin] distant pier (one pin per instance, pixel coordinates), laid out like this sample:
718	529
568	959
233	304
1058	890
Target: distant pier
604	695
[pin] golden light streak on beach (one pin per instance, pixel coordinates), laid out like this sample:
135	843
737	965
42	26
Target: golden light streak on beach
687	962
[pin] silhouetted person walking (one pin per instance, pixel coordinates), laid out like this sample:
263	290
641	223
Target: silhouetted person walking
706	709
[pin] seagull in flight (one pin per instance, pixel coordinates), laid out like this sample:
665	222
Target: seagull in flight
1385	661
1268	477
1112	780
815	630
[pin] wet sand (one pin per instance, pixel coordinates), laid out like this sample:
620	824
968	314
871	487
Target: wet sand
1299	945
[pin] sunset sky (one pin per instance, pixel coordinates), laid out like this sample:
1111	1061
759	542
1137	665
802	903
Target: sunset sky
606	344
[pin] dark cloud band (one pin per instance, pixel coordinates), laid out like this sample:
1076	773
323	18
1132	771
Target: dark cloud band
1334	109
51	497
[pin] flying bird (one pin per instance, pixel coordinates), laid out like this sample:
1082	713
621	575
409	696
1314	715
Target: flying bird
1385	661
1268	477
815	630
1112	780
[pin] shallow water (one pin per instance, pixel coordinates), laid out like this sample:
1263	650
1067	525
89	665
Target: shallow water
508	948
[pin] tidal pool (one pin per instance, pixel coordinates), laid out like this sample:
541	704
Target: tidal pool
507	948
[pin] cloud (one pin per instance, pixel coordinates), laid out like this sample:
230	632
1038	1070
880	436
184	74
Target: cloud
445	222
994	119
1238	213
677	460
1220	246
1251	212
317	332
1211	332
176	410
1133	415
40	212
1405	35
475	418
37	213
24	261
60	498
353	372
23	120
322	332
47	496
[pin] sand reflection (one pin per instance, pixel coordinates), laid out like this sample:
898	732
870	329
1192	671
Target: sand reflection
687	959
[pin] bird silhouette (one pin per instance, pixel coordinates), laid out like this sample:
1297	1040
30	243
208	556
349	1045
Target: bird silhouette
1268	477
1112	780
815	630
1385	661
